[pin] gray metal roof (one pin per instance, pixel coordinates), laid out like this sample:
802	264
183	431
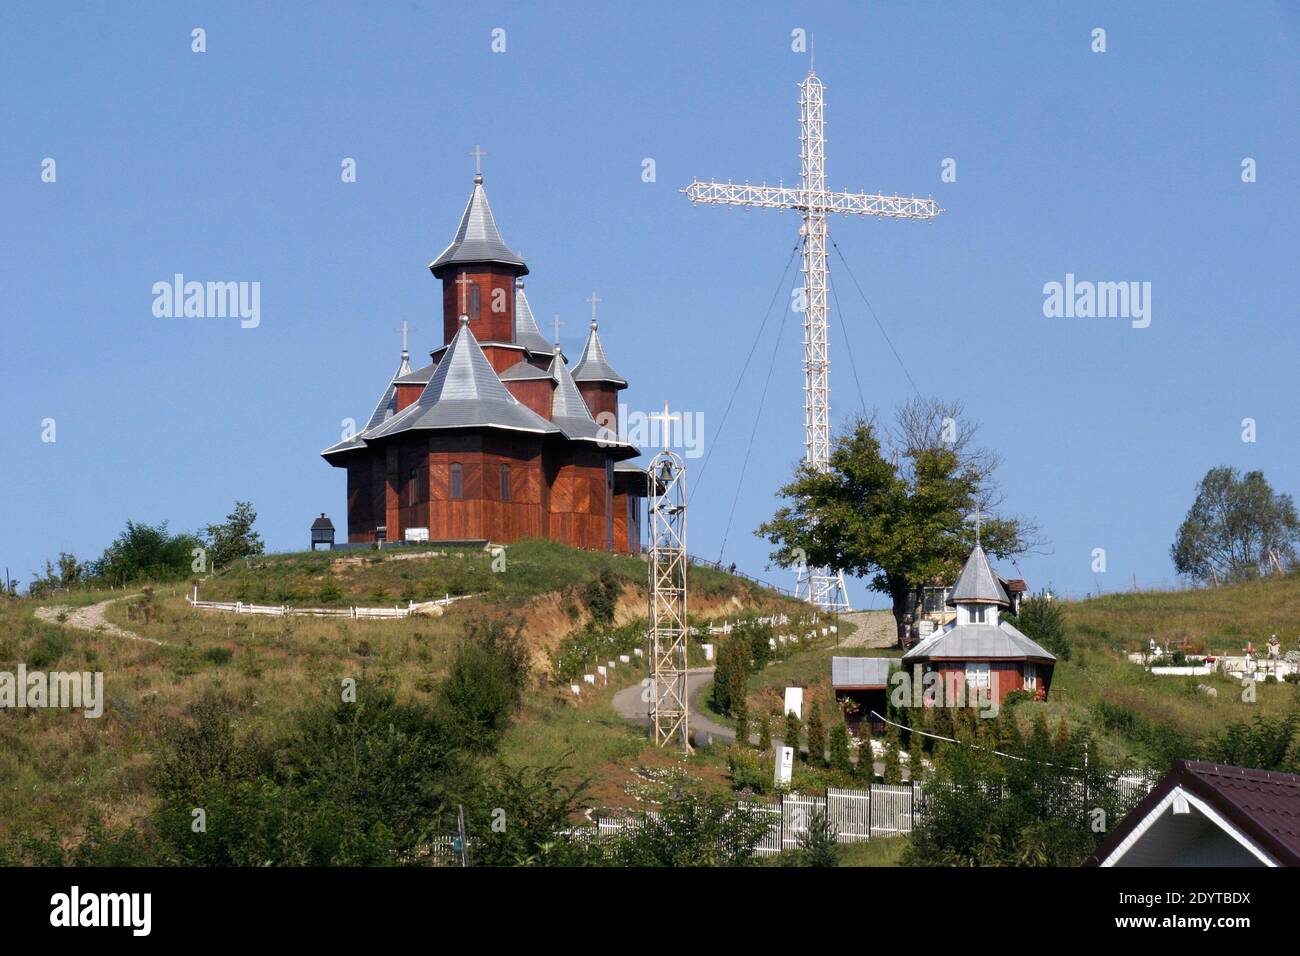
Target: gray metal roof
477	238
568	410
385	410
420	376
977	584
527	333
525	372
593	366
967	641
464	393
860	671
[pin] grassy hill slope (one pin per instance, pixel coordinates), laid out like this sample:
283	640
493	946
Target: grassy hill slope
1149	718
56	766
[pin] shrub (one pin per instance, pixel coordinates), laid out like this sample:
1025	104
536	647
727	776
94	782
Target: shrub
1042	619
218	655
745	768
839	744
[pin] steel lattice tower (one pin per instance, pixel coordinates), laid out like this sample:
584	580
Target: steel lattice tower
811	199
668	701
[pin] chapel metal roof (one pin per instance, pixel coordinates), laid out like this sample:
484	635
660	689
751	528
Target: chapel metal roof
477	238
593	366
977	584
464	393
975	641
527	333
860	671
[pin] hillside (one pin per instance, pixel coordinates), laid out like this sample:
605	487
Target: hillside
55	768
1146	718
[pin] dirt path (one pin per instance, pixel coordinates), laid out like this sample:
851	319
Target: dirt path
91	618
875	629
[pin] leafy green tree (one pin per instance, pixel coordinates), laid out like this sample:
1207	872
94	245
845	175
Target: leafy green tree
234	538
816	736
765	732
145	552
484	684
793	729
1042	619
818	845
1028	812
731	676
892	514
1235	528
693	829
893	773
839	745
1266	743
740	711
523	818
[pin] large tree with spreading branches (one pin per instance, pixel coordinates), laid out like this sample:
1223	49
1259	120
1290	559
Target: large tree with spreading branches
893	506
1237	528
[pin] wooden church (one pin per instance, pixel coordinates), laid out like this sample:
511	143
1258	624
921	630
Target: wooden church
496	439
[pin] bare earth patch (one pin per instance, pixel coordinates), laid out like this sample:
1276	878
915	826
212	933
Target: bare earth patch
92	619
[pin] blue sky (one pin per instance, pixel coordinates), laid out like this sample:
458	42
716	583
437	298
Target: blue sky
1115	166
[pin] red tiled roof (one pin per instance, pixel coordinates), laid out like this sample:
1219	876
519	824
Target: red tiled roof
1263	804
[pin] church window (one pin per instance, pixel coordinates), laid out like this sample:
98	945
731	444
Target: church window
412	486
457	481
977	675
977	614
1031	677
505	482
473	301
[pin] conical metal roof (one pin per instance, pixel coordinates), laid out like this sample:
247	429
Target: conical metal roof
977	584
568	410
464	393
385	410
527	333
593	366
477	238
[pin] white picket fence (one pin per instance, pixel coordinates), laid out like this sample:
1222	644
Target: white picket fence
412	608
882	810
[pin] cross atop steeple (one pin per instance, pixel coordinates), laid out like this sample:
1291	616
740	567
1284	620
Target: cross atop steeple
594	300
405	330
557	322
977	516
478	155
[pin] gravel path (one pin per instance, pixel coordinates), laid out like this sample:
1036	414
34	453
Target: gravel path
91	618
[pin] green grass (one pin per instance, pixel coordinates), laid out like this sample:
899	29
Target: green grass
1215	620
881	851
56	768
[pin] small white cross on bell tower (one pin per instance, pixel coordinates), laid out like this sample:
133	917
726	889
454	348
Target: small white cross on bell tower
665	434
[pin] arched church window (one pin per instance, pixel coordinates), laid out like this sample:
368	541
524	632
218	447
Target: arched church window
473	301
457	481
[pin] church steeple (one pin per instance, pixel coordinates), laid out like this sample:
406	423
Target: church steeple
478	272
478	240
595	377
